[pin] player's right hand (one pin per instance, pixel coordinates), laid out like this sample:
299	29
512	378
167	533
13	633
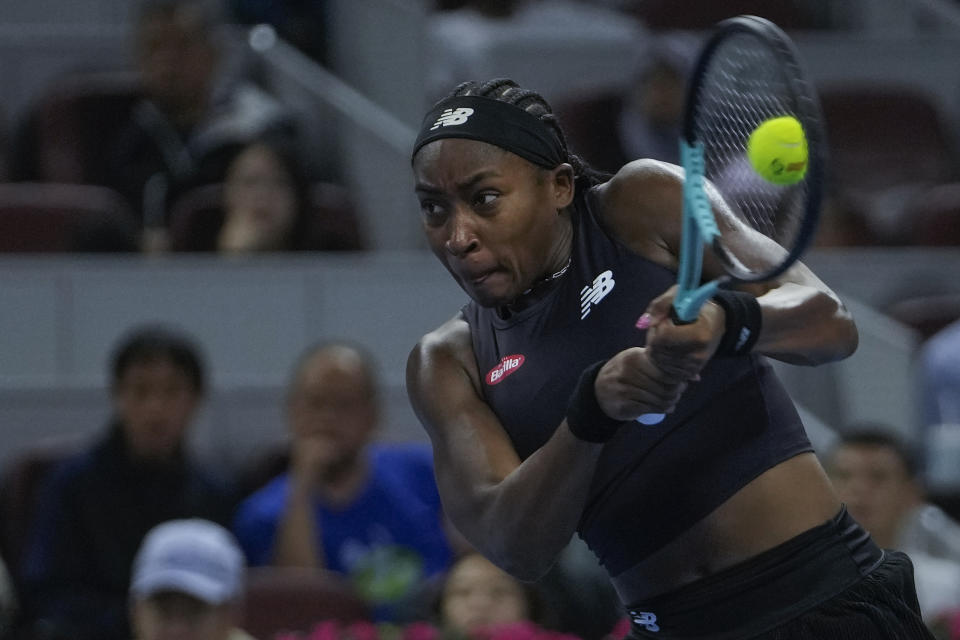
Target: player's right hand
630	384
683	350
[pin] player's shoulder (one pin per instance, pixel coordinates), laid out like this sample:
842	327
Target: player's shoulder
641	206
641	177
441	354
450	340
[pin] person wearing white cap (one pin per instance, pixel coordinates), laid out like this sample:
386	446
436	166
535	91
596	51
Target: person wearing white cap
188	582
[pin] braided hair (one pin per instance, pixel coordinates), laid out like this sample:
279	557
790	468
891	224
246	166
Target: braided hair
507	90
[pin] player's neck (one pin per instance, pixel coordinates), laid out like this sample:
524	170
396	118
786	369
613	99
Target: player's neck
534	294
556	267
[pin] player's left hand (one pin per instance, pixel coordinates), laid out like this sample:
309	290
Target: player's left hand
683	350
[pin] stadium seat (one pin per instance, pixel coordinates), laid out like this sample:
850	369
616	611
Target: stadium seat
927	314
61	137
932	216
4	146
914	147
845	222
19	486
196	217
292	599
589	123
54	217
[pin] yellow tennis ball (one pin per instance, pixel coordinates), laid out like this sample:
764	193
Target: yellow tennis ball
778	150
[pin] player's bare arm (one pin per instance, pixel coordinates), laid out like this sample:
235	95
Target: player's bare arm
492	497
804	321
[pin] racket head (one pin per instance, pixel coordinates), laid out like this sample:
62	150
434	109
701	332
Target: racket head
749	71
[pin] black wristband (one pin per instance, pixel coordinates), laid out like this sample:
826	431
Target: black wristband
586	419
743	322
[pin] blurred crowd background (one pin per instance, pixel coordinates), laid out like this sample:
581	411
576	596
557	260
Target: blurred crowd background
237	172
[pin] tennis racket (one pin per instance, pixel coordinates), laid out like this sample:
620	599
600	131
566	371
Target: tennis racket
747	73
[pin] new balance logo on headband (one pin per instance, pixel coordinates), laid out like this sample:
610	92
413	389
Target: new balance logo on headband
452	116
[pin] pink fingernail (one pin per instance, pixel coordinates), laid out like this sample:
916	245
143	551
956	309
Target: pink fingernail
643	321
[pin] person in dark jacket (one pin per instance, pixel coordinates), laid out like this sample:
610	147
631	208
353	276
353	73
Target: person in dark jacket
181	132
96	507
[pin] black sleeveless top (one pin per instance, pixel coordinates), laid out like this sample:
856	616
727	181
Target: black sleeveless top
652	482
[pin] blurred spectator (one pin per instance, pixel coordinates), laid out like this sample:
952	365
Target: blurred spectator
478	595
652	111
188	583
699	15
575	597
844	222
266	203
566	44
96	507
939	381
641	121
454	39
578	593
478	600
191	112
369	511
8	601
876	476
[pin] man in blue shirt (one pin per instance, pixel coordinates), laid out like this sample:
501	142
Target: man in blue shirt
370	511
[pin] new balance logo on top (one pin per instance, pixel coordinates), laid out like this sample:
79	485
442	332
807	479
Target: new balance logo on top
595	292
452	116
645	619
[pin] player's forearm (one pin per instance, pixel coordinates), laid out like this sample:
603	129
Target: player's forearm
805	325
523	522
520	514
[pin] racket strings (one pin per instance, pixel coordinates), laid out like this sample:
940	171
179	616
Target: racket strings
745	84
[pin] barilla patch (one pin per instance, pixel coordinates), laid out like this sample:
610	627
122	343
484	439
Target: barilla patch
508	364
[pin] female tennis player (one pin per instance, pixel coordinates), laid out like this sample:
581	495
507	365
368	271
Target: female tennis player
717	522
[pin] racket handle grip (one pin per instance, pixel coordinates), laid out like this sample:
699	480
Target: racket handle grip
677	320
657	418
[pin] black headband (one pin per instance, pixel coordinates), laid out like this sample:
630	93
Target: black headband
496	122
